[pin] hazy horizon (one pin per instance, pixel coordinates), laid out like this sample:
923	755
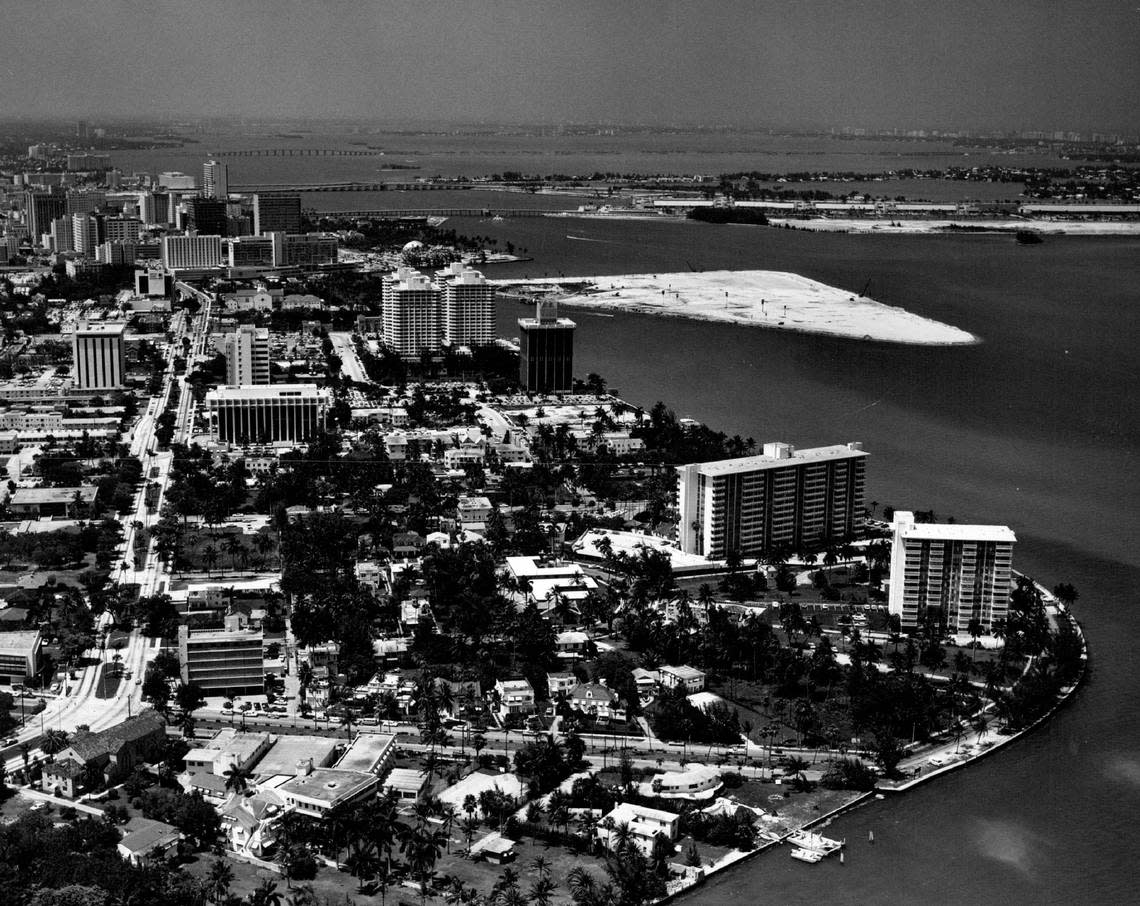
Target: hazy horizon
878	64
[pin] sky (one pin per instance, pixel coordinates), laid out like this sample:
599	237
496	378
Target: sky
1003	64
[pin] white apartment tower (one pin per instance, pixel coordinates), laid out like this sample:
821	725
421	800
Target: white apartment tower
84	234
783	498
215	180
98	356
411	304
963	570
468	307
247	356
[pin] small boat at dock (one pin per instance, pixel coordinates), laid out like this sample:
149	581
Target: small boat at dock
807	855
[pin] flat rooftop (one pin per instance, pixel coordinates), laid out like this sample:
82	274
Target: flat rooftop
366	751
26	496
791	457
328	785
21	641
268	391
288	750
925	531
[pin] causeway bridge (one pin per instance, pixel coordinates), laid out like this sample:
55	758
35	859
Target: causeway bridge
437	212
266	189
299	152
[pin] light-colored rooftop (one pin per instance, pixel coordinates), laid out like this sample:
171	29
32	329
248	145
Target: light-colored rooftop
22	641
787	456
407	779
269	391
365	754
328	785
941	531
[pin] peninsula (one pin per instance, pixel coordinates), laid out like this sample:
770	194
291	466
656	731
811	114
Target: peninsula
757	298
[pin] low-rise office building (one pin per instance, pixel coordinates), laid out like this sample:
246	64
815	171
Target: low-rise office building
222	662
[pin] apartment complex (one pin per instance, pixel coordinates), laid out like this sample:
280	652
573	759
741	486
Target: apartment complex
784	497
98	356
267	414
965	571
247	356
223	661
215	180
411	313
467	307
546	351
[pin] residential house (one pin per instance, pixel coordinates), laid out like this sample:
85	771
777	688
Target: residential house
644	824
516	696
698	782
115	752
688	678
147	841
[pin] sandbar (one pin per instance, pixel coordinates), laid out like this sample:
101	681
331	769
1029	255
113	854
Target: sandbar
904	226
771	299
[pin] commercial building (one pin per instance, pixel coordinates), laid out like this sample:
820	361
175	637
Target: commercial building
215	180
468	307
546	351
265	414
965	571
247	356
99	356
222	662
121	229
410	303
276	213
206	216
63	502
783	498
19	655
40	209
305	249
191	251
85	201
250	251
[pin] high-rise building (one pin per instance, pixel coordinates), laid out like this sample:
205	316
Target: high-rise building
223	661
215	180
98	356
247	356
276	213
784	498
62	239
206	216
965	571
40	209
86	201
154	208
306	249
546	351
266	414
410	303
84	234
192	251
468	312
250	251
116	253
121	229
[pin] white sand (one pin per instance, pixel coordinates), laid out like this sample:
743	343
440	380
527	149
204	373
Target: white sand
905	226
760	299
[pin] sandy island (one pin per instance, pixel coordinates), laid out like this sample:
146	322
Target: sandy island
770	299
969	225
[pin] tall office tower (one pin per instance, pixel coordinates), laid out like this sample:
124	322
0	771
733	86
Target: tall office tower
98	356
206	216
965	571
546	350
411	313
81	129
247	356
259	415
62	239
192	251
276	213
84	234
85	201
154	208
468	315
40	209
215	180
121	229
784	498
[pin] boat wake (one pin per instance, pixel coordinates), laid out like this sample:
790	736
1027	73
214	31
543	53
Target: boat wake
586	239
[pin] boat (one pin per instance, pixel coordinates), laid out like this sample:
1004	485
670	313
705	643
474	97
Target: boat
816	843
1028	237
807	855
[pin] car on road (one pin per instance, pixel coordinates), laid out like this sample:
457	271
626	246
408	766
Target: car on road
10	741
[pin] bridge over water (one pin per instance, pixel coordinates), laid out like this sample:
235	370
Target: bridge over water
437	212
352	187
299	152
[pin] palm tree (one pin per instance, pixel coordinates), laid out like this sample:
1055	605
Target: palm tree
449	814
53	741
304	677
237	778
362	861
265	895
218	880
210	557
303	896
233	548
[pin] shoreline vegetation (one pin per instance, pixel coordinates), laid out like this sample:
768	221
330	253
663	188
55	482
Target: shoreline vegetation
924	752
770	299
